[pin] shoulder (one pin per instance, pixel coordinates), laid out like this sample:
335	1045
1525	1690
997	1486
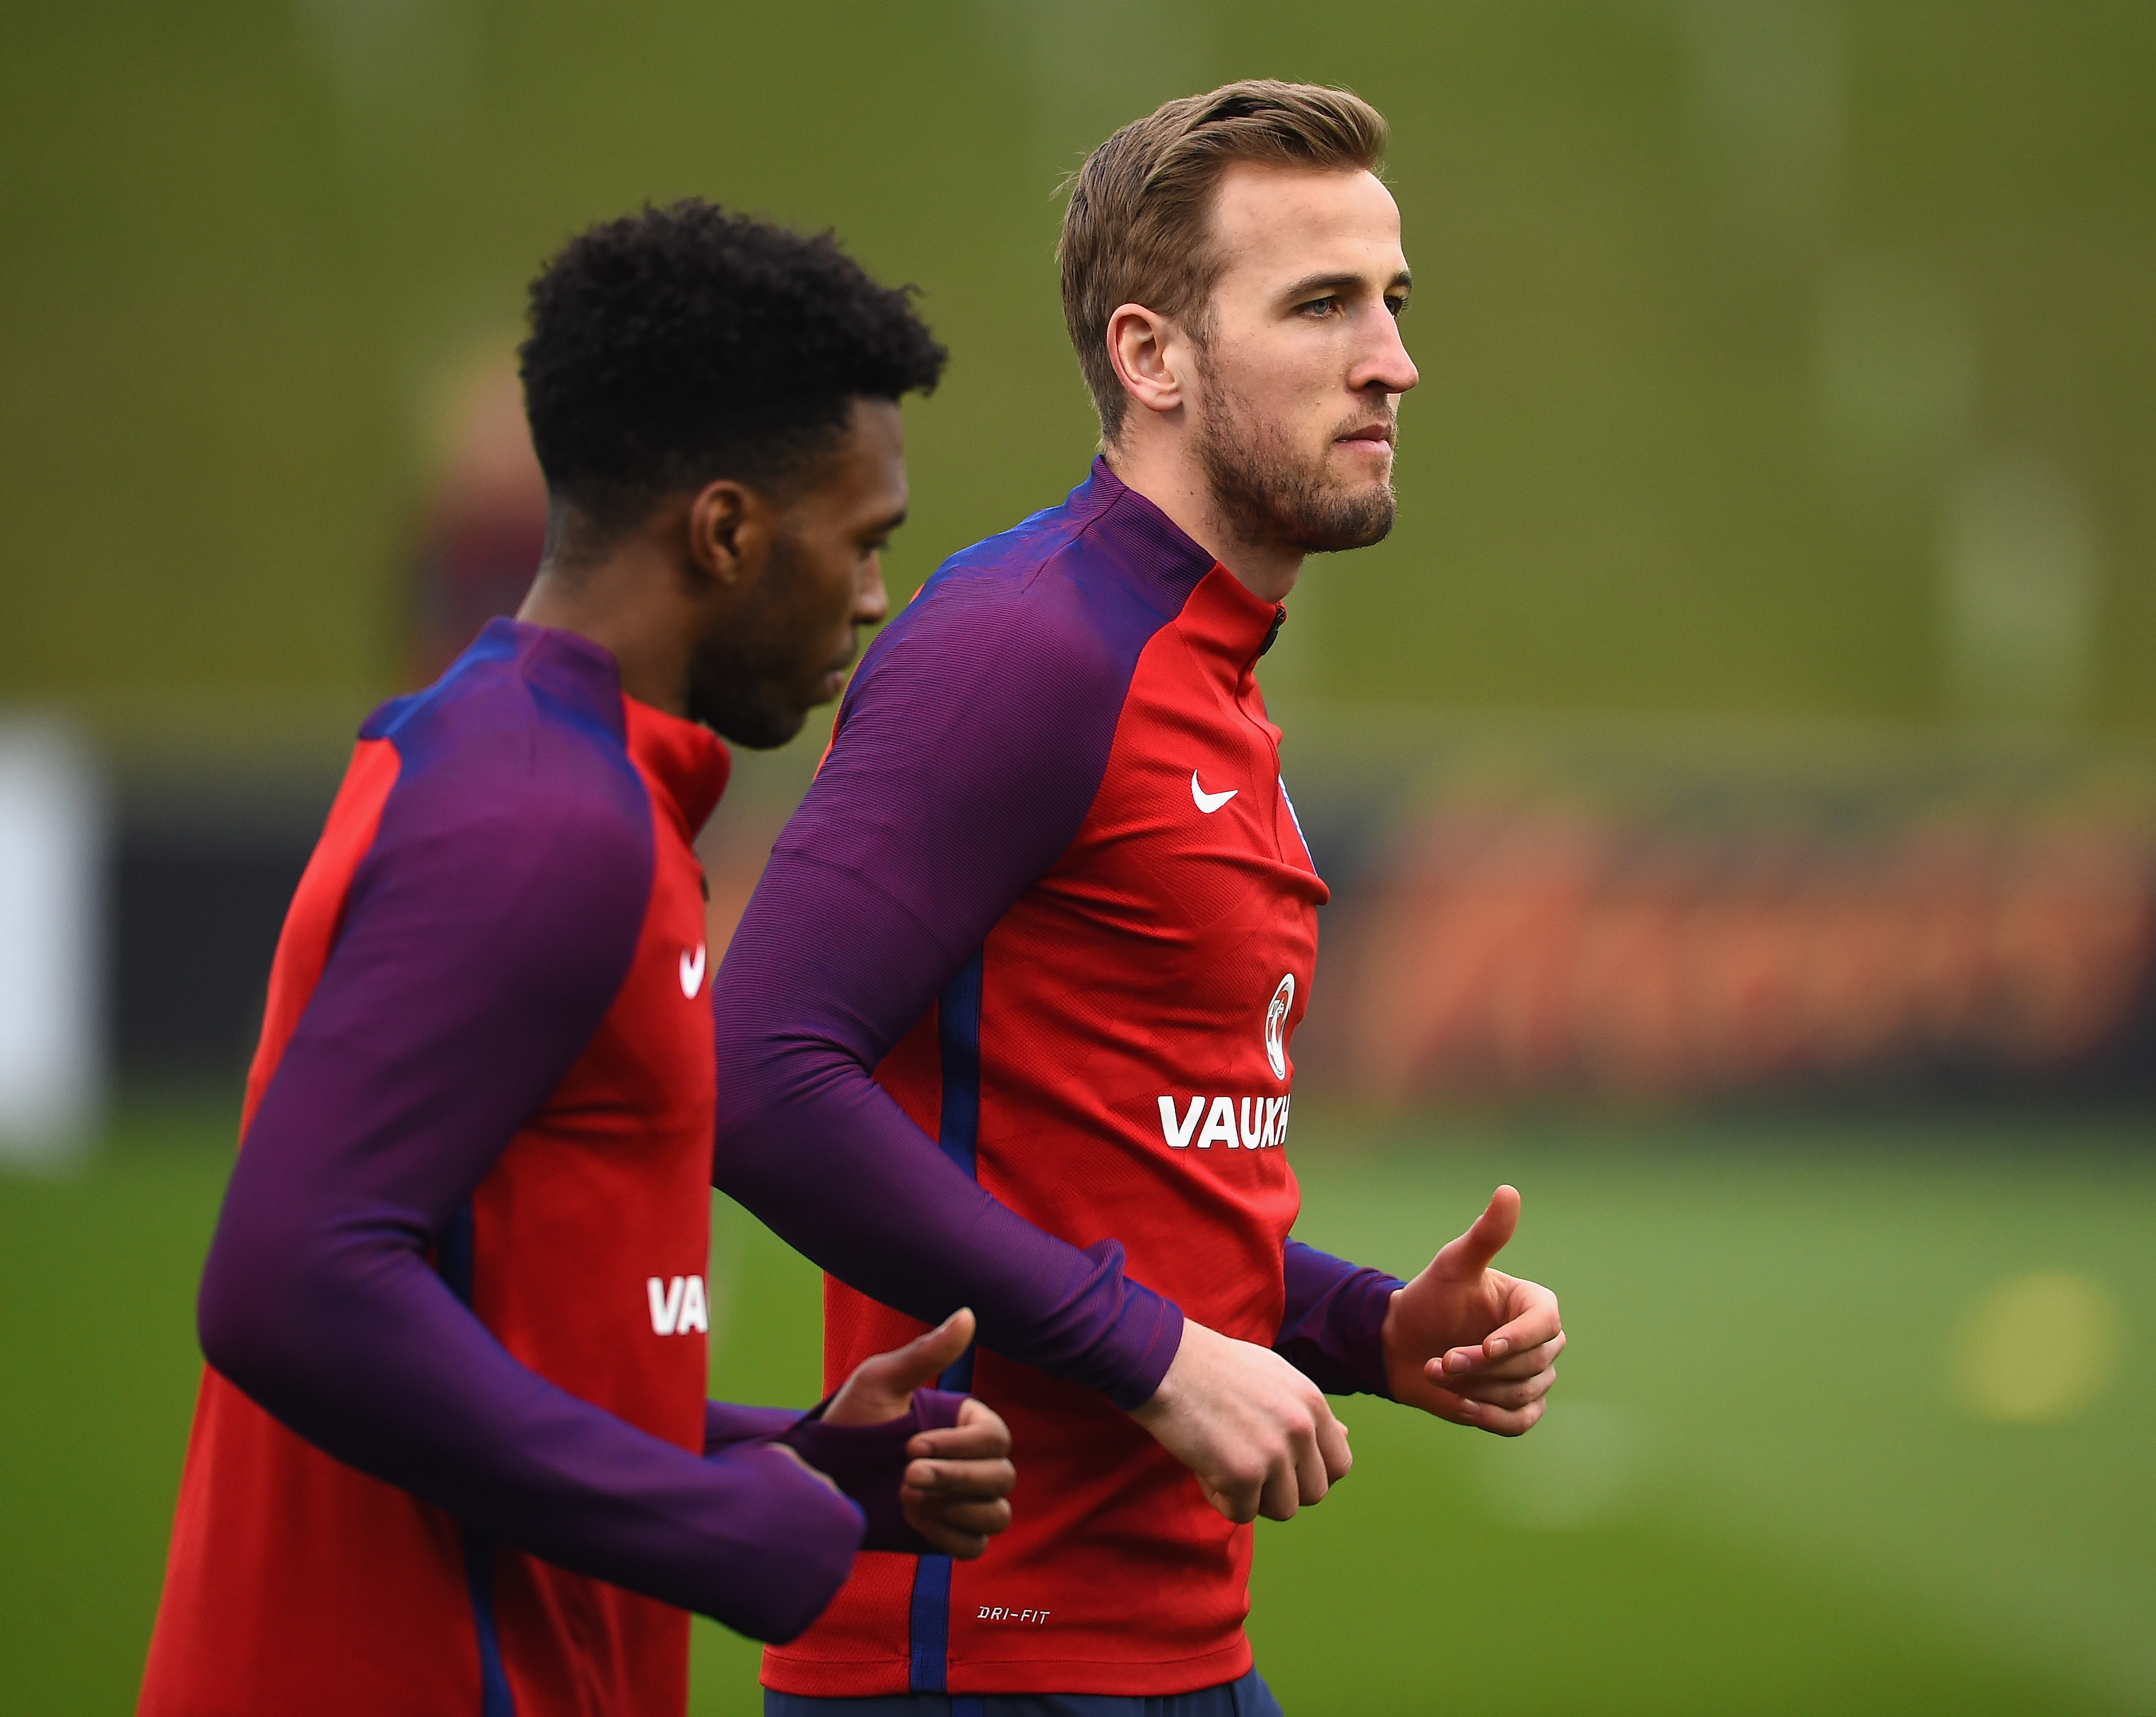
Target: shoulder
1056	610
515	761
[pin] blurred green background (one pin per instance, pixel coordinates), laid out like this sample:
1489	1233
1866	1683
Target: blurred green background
1761	1487
1723	309
1782	361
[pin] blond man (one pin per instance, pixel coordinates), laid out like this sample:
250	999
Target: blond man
1009	1021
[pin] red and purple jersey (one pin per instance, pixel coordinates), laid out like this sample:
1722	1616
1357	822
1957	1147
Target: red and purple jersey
1008	1024
452	1454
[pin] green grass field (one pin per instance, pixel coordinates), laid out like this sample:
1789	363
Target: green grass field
1759	1490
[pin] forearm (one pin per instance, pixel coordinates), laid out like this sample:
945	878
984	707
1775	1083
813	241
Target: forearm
362	1350
839	1173
821	1153
1332	1330
969	749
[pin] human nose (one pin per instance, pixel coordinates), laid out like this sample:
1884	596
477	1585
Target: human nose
871	600
1384	366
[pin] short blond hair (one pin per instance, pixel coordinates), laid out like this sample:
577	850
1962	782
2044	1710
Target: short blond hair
1137	229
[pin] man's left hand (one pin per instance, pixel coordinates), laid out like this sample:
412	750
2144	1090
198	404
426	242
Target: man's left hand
1471	1343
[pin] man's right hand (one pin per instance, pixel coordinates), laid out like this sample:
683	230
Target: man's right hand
957	1477
1259	1434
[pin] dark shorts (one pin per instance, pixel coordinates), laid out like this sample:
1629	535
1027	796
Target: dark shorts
1248	1698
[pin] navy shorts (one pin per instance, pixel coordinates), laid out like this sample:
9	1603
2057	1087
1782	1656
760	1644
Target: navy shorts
1248	1698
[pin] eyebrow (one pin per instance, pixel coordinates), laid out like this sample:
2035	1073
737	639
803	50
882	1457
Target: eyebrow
1312	283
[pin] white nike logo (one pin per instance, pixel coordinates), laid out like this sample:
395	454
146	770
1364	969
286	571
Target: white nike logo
692	971
1210	803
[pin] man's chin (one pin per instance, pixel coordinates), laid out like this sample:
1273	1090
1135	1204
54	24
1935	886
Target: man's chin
1336	500
758	728
1351	521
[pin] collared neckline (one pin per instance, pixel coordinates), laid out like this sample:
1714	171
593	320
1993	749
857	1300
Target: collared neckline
689	762
1264	617
684	757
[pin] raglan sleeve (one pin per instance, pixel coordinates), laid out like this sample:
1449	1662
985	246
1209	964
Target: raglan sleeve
967	757
484	938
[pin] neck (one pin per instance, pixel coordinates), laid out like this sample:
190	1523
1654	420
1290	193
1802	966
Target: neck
1165	469
628	603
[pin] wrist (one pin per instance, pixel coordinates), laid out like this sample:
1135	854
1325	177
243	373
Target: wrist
1390	1341
1169	1392
1148	1361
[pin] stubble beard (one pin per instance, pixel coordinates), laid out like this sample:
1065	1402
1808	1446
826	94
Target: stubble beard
1267	490
741	678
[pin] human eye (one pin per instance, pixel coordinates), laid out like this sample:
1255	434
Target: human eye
1396	303
1318	309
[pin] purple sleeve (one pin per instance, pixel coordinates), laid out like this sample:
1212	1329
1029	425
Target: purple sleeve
970	750
485	936
725	1424
866	1462
1331	1331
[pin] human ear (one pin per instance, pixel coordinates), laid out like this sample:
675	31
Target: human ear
1145	347
729	531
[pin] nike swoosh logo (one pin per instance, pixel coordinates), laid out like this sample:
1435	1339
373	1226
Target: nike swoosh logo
1210	803
692	971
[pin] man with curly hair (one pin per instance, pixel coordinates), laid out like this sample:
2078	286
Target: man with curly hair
451	1452
1009	1022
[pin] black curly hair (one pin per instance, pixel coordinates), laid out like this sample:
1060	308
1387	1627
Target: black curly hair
681	345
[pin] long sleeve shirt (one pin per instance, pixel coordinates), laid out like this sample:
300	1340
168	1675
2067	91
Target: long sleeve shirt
1008	1024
